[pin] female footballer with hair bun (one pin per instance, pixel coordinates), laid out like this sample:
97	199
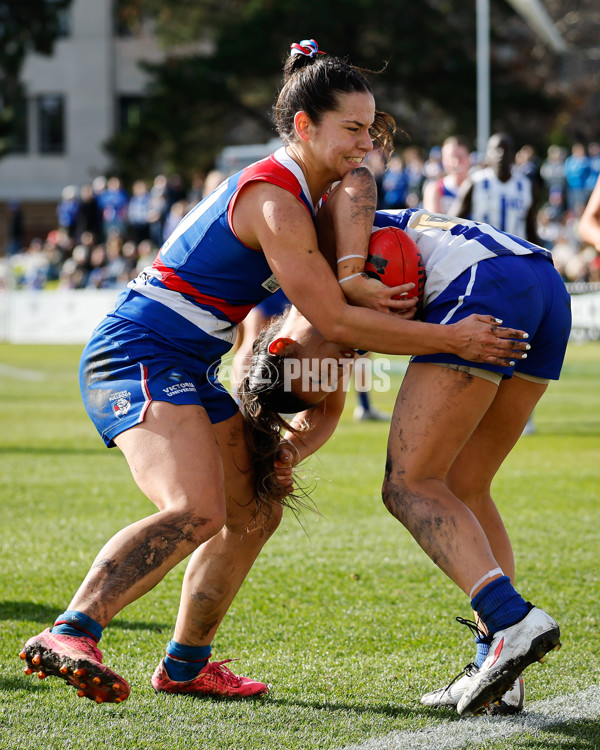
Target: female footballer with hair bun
148	374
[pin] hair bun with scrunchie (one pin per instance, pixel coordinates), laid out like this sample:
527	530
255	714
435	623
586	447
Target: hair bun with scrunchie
307	47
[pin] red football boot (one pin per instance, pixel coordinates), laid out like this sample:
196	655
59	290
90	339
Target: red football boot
76	660
214	679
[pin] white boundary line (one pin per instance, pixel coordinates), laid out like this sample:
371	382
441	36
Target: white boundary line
452	735
18	373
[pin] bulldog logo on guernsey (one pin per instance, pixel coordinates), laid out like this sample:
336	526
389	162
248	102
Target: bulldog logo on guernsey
121	403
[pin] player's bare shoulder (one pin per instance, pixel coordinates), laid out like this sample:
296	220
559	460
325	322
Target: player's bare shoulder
262	207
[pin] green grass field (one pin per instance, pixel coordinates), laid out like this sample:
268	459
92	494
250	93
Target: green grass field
347	619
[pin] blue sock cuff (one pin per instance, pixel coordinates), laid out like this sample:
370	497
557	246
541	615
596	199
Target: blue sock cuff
182	652
477	600
81	622
499	605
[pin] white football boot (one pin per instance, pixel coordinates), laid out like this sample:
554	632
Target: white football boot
449	696
512	649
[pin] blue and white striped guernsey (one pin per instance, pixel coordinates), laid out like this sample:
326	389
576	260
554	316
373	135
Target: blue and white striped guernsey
450	245
504	205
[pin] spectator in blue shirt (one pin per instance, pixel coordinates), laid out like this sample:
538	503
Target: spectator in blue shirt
594	168
67	210
395	184
576	175
113	203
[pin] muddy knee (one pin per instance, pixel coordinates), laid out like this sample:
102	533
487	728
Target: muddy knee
396	497
194	528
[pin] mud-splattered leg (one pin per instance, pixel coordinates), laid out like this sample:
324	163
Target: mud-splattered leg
218	567
436	412
174	458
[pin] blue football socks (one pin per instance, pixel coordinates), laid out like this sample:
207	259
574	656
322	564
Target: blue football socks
183	663
499	605
77	624
483	648
363	400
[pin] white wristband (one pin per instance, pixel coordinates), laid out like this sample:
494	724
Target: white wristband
352	276
346	257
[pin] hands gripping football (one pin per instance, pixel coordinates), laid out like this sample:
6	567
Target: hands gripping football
393	277
394	281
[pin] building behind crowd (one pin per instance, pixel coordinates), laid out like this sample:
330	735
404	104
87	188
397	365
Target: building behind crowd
89	89
76	99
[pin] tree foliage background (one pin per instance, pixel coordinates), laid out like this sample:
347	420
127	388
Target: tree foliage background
25	26
224	58
200	101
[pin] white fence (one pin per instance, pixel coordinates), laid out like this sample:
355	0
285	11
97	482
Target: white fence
66	317
586	316
69	317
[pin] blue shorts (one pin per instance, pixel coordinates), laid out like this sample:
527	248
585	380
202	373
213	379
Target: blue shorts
124	367
525	292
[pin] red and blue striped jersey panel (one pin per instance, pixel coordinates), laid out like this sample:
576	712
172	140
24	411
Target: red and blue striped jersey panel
204	279
205	261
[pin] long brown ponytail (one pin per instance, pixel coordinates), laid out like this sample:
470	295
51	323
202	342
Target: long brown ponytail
264	400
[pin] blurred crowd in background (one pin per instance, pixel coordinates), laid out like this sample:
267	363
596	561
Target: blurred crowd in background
106	232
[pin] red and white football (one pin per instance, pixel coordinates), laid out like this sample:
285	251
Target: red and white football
394	259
